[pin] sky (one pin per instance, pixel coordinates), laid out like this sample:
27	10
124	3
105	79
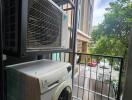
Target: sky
99	10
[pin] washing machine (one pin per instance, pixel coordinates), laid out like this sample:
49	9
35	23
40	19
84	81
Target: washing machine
39	80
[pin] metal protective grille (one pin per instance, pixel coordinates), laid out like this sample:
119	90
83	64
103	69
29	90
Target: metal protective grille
10	26
96	77
44	25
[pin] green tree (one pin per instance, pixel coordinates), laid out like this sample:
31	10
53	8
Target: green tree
108	46
98	31
111	36
118	20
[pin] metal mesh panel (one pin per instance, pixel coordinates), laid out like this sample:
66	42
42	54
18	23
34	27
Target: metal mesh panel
44	25
10	34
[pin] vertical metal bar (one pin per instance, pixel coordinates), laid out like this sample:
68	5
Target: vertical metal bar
120	76
60	55
64	57
102	80
51	56
110	79
56	56
91	60
84	76
1	57
74	31
96	79
71	31
78	81
69	57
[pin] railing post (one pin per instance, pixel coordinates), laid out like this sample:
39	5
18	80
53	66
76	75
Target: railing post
120	80
74	31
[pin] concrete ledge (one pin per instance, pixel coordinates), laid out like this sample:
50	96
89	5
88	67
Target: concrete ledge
82	36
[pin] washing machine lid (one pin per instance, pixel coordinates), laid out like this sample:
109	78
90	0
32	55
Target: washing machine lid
49	73
39	67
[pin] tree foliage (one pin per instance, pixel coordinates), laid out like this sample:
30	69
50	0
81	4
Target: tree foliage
118	20
97	32
111	36
108	46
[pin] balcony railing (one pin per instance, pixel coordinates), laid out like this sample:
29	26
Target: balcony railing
96	77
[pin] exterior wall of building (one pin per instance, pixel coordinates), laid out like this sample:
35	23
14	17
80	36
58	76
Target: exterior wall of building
84	24
82	39
85	16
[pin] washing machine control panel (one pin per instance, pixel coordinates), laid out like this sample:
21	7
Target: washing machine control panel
53	79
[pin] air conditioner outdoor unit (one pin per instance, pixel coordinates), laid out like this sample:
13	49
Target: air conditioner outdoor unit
33	26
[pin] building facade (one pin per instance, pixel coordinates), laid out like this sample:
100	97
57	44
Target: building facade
84	24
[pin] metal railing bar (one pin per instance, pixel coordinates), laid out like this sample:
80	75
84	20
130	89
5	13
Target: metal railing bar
110	79
56	56
114	92
84	78
98	55
96	80
64	57
78	81
74	31
102	81
95	92
51	56
60	56
76	98
119	83
90	76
